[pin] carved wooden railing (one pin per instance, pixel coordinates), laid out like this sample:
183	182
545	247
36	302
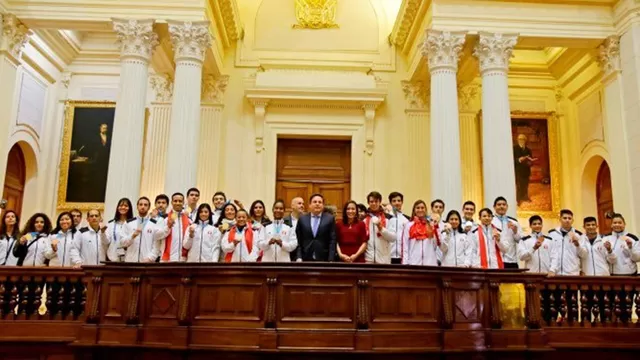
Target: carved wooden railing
315	308
591	312
41	304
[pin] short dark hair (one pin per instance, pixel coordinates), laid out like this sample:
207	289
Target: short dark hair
589	219
394	195
375	195
143	198
193	190
469	202
498	199
566	212
487	210
76	210
437	201
162	197
219	193
177	194
316	195
362	207
534	218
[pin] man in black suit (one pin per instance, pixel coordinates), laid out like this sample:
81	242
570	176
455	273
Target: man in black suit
523	159
316	232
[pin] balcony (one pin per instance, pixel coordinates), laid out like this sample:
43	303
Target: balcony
312	311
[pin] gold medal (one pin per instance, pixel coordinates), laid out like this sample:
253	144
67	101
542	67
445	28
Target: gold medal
174	216
29	237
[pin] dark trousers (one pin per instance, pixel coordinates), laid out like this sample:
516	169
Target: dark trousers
396	261
511	265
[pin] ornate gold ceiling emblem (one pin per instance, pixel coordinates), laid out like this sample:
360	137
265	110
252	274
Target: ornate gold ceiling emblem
316	14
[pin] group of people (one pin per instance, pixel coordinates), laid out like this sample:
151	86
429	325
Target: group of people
180	229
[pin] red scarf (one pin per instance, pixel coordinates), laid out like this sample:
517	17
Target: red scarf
380	215
484	263
248	238
166	255
421	230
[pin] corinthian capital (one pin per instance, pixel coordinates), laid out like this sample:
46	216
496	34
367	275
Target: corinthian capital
190	39
14	34
416	94
494	51
213	88
443	48
136	38
609	55
162	86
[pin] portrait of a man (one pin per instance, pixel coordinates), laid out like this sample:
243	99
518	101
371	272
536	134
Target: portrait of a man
89	154
530	141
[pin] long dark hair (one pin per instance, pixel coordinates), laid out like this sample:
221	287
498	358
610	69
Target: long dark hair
219	222
30	226
265	219
57	229
456	213
3	225
209	221
116	217
345	219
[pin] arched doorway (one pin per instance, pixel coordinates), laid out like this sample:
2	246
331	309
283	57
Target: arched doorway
14	179
604	197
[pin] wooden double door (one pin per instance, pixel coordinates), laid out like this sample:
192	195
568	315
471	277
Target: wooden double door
307	166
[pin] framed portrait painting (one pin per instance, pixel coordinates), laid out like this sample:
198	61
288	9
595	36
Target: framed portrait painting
86	147
535	157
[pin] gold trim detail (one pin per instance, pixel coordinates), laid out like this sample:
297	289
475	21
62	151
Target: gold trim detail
63	169
554	162
316	14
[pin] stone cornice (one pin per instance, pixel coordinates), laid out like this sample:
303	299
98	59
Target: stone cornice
227	13
407	18
317	98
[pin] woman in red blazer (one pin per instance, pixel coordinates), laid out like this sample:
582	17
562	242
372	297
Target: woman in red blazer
351	235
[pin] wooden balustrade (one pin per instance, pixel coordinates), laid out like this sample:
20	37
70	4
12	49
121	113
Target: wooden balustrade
255	309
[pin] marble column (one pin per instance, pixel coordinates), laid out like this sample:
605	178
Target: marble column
190	43
157	138
470	149
137	41
417	117
209	169
442	50
620	126
493	52
13	36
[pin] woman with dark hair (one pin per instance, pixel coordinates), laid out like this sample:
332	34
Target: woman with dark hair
362	211
456	247
420	238
33	240
124	212
61	241
279	239
202	239
351	235
258	214
226	221
9	234
240	242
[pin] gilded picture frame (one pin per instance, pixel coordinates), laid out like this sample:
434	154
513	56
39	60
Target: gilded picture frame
553	208
70	123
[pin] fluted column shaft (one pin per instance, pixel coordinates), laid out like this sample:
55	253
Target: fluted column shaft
471	157
442	50
190	42
493	52
137	41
